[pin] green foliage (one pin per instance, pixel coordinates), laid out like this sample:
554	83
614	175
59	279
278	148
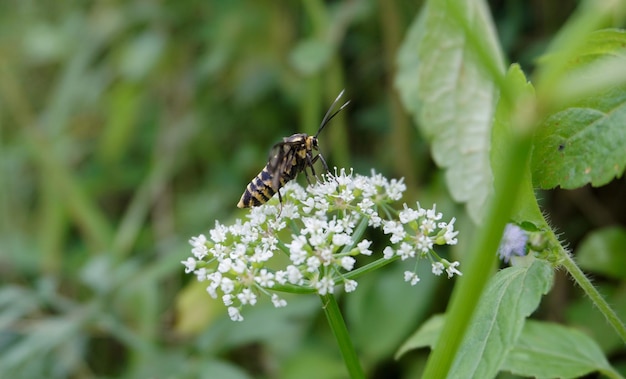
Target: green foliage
602	252
376	299
449	89
511	296
126	127
546	350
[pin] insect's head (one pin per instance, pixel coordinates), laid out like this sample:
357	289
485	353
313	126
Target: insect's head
328	116
311	143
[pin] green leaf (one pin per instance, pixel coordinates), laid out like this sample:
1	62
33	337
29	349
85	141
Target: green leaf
547	350
603	252
426	335
512	295
583	141
383	296
445	78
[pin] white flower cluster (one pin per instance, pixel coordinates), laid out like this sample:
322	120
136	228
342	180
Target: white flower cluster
319	229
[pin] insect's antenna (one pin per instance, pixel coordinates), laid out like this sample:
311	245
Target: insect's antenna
328	116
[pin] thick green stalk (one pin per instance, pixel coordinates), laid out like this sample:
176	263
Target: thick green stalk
338	326
481	259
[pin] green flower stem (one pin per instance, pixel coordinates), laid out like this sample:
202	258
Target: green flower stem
338	326
481	258
594	295
373	266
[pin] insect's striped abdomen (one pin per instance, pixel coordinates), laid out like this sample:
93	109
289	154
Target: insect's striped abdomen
260	189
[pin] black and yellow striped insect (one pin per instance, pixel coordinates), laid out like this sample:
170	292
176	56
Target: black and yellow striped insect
287	159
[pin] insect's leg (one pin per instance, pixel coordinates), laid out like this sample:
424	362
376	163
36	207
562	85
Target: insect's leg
309	164
321	157
323	162
280	200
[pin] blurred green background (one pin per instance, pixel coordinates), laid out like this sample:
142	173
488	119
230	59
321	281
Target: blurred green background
128	126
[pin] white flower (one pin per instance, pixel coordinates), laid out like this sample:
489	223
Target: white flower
265	279
190	265
347	263
198	241
432	214
396	188
346	195
281	276
225	265
405	251
201	274
199	248
350	285
342	178
294	276
234	314
296	251
408	215
451	269
215	279
450	233
424	244
211	289
246	296
313	264
325	286
366	205
341	239
363	247
427	226
308	205
395	229
278	302
227	300
218	234
375	221
411	277
320	230
388	252
438	268
238	266
290	211
227	285
257	216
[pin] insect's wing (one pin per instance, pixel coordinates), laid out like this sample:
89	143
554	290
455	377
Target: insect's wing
277	155
279	162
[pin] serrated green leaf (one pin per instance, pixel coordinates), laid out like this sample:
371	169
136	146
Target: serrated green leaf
583	142
512	295
546	350
444	82
603	252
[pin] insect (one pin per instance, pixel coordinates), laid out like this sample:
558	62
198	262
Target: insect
287	159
